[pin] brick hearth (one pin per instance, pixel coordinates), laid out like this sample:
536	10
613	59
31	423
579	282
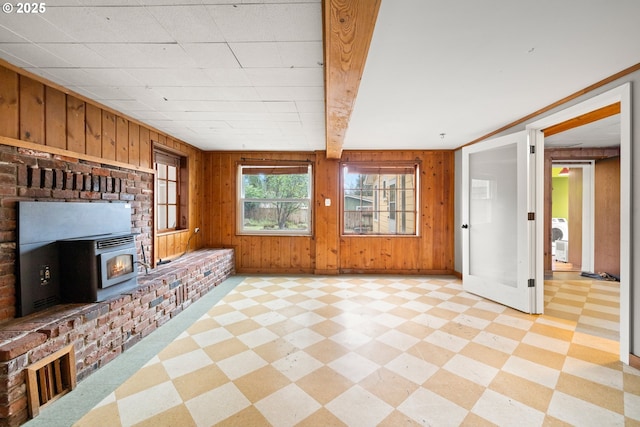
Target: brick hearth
101	331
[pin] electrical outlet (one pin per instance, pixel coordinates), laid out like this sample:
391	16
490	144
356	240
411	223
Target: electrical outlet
45	275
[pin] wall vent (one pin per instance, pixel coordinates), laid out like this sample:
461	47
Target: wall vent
50	378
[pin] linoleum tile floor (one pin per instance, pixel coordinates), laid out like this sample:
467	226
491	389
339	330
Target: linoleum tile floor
367	351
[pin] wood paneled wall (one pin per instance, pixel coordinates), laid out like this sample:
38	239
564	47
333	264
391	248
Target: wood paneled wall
607	216
33	111
327	252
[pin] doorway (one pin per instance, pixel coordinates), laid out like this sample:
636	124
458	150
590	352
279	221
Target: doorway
577	285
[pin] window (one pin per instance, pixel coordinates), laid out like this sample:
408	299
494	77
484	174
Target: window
275	199
170	191
379	199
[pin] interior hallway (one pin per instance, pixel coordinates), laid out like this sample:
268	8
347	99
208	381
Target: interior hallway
358	351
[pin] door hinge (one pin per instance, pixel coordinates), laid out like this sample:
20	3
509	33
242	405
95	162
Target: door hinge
531	216
532	283
532	149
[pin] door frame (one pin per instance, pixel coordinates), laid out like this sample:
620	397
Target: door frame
588	209
620	94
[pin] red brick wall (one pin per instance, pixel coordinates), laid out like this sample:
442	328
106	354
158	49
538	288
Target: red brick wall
32	175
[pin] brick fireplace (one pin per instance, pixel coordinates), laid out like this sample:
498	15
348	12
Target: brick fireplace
96	331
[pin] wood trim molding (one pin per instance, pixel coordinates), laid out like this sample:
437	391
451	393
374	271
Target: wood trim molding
69	154
590	117
348	29
550	107
634	361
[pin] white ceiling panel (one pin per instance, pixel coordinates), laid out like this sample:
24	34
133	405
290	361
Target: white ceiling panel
34	55
228	77
194	23
286	77
199	70
34	28
211	55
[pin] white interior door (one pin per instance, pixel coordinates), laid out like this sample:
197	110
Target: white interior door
498	234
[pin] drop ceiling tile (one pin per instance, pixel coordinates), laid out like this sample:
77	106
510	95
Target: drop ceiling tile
302	54
296	21
257	55
72	77
197	93
132	24
78	23
228	77
143	55
280	106
38	29
79	55
145	115
34	55
211	55
182	77
111	77
9	36
242	23
311	106
187	23
281	93
286	76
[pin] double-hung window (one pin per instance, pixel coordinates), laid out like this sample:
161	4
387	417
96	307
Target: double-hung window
379	199
274	198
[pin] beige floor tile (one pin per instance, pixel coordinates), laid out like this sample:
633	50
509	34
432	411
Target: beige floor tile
388	351
378	352
324	384
530	393
249	416
225	349
102	416
322	417
455	388
397	419
540	356
176	416
261	383
484	354
275	350
145	378
589	391
474	420
243	326
389	386
326	350
199	382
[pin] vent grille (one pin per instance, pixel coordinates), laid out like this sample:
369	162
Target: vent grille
115	241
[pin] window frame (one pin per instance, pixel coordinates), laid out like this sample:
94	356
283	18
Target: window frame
275	167
171	159
388	179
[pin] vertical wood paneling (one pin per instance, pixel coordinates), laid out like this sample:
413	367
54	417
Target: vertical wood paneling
75	125
9	111
145	148
607	216
108	135
93	130
55	118
122	139
134	144
32	114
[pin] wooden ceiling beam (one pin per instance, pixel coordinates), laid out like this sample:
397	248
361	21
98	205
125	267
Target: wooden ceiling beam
348	29
590	117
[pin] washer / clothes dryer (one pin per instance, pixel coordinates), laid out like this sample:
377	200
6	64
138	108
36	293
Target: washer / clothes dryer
559	231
